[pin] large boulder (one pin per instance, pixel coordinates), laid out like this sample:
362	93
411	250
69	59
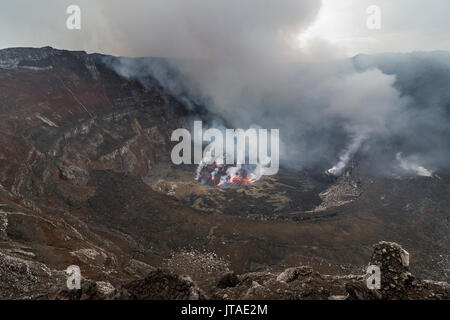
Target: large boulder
229	280
292	274
90	290
397	282
393	261
162	285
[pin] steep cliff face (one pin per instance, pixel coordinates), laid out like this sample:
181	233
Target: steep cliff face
68	123
65	113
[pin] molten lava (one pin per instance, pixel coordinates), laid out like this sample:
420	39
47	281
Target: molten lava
224	175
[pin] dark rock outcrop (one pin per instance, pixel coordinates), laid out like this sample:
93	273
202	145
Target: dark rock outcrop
90	290
397	282
292	274
229	280
162	285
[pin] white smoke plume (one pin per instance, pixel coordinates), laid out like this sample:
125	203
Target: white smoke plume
363	100
241	60
410	166
347	155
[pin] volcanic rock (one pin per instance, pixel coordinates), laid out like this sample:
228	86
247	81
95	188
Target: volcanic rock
162	285
229	280
393	261
26	279
292	274
90	290
397	282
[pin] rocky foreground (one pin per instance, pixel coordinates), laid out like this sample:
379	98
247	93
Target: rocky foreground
24	279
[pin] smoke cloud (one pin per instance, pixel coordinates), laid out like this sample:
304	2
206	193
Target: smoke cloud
241	60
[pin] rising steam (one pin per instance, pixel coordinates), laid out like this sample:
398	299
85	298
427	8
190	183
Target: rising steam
347	155
410	166
238	59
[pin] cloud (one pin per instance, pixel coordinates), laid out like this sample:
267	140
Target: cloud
196	28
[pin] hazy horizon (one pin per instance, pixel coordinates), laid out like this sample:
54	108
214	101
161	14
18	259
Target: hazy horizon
161	28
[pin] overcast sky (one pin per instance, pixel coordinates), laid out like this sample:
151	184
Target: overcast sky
195	28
